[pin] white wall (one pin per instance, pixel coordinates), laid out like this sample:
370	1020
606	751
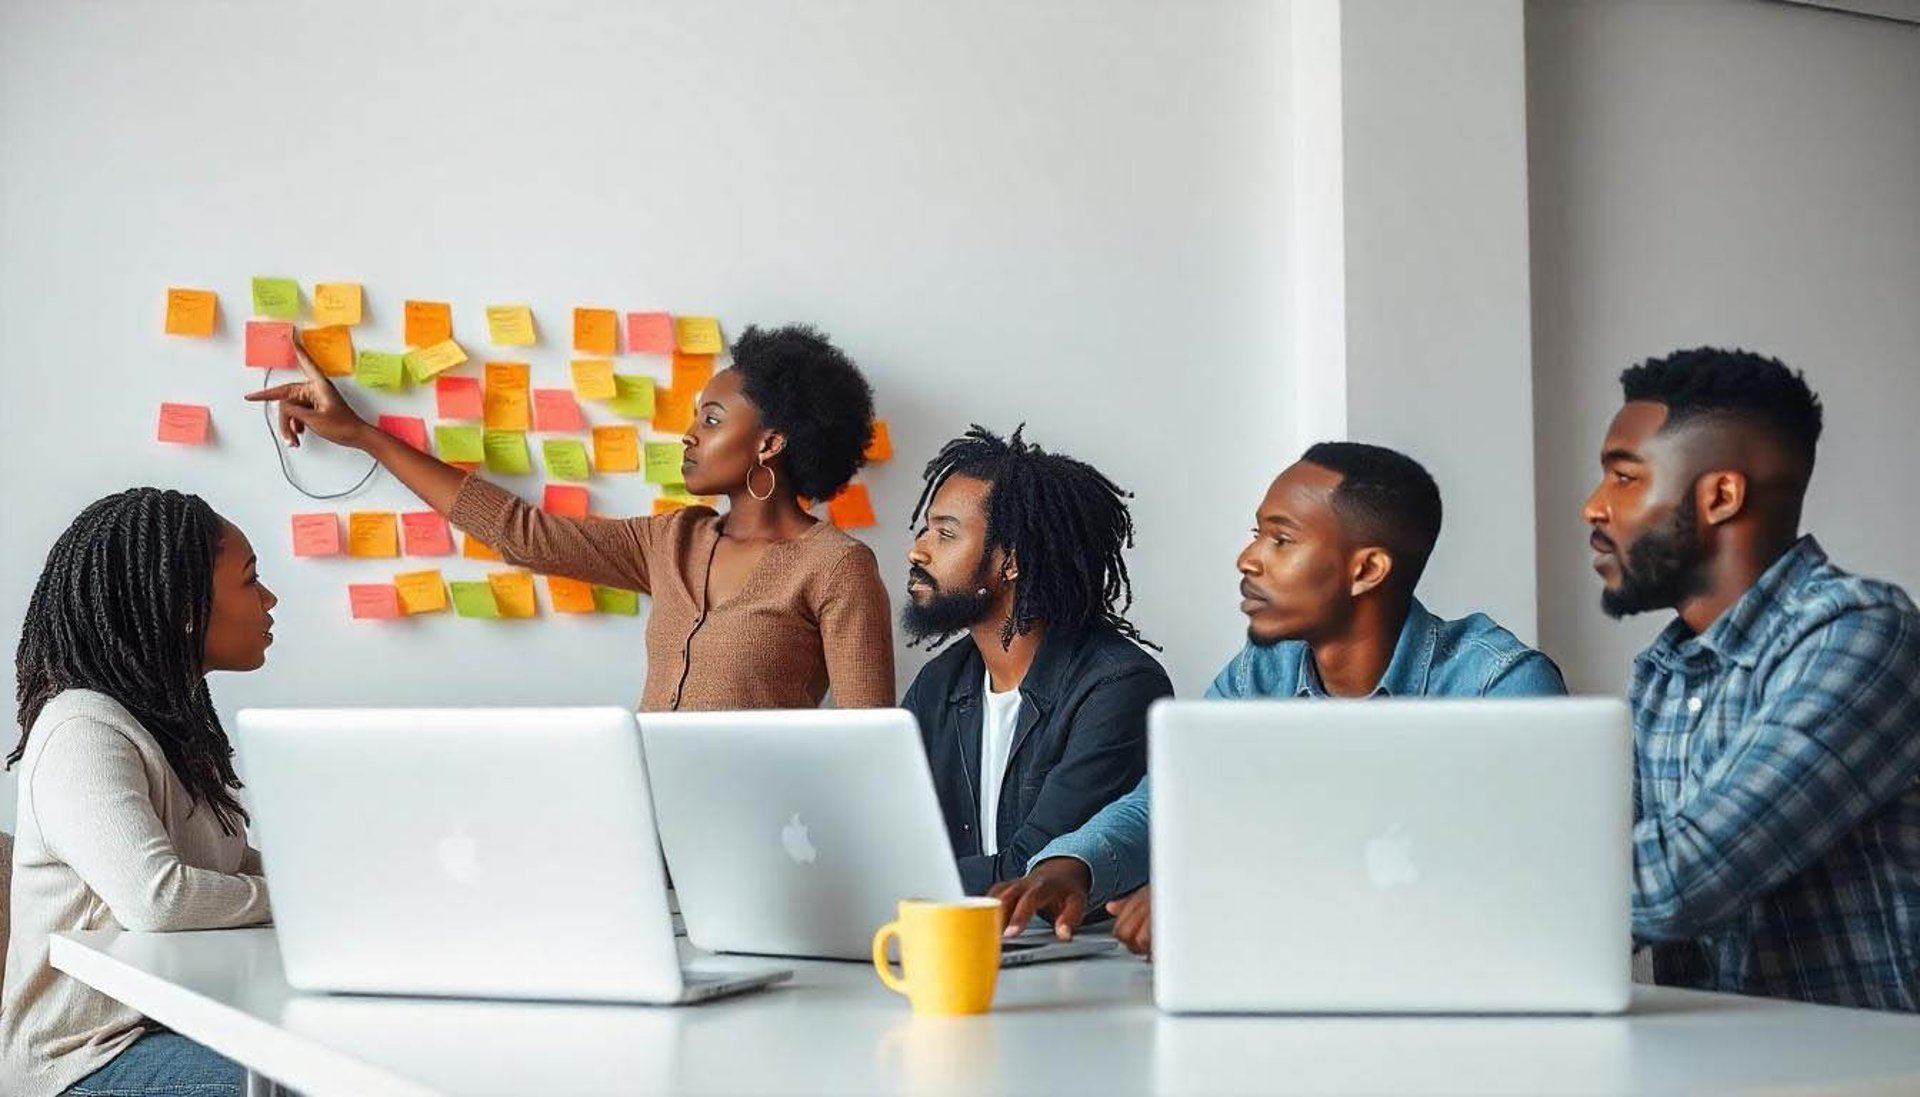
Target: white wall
1069	213
1723	172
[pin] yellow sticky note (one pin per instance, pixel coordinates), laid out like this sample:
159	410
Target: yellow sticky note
336	303
507	403
511	325
191	311
616	449
421	592
425	362
331	348
596	331
569	595
697	335
373	533
593	379
513	593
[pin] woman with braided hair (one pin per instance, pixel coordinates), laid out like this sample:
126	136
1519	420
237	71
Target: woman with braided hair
127	812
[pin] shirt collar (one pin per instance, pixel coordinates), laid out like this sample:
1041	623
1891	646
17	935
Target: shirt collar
1407	672
1739	633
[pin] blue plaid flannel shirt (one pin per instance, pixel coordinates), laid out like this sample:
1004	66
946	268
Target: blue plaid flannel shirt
1777	792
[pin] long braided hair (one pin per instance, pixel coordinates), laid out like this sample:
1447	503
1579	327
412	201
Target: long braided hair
122	608
1065	523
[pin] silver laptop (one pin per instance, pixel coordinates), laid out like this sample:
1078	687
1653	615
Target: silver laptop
496	853
798	833
1384	856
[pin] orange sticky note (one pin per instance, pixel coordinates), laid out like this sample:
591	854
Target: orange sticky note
852	508
649	333
373	533
336	303
556	409
664	505
880	445
672	410
596	331
270	344
691	372
428	322
697	335
593	379
569	595
331	348
185	424
374	601
408	429
616	449
425	533
566	500
473	548
513	592
458	397
316	534
506	403
192	311
421	592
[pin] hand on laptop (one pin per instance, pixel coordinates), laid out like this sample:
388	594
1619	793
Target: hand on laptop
1133	921
1057	887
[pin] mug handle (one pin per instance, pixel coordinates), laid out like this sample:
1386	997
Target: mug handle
881	965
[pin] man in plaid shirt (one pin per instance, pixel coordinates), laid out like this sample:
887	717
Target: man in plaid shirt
1777	719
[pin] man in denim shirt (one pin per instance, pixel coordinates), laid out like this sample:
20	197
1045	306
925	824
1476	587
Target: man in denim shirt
1327	585
1777	719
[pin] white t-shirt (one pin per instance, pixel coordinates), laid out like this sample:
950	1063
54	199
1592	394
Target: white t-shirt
997	720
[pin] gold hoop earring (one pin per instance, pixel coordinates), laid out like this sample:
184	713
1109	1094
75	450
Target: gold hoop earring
772	482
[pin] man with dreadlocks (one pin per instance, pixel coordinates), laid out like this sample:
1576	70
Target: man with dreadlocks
1040	719
127	813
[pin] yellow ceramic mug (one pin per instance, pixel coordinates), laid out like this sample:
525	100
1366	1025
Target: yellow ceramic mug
949	954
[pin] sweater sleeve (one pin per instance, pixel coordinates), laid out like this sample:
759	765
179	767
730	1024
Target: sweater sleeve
856	631
94	808
609	551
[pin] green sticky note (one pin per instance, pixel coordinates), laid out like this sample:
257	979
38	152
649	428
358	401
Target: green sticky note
566	459
276	297
461	445
663	463
615	600
507	452
379	370
632	396
474	599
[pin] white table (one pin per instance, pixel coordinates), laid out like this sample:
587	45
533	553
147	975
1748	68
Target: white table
1082	1027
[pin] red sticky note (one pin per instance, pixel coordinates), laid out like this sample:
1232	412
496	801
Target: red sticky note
316	534
459	397
185	423
852	508
270	344
649	333
556	409
406	428
374	601
425	533
565	499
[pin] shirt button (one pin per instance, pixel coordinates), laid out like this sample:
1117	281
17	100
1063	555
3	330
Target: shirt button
1694	704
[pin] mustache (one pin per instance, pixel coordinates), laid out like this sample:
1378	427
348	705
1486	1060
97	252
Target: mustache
917	575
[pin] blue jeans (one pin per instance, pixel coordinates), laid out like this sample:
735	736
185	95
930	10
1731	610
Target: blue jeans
165	1064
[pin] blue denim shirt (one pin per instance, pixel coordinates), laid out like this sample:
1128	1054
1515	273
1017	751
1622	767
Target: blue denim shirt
1471	657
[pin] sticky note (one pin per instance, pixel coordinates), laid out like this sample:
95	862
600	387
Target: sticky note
556	409
632	396
880	444
505	404
510	325
649	333
593	378
672	411
425	533
691	372
663	463
596	331
615	600
852	508
270	344
421	592
316	534
667	505
185	424
506	452
697	335
473	548
565	500
616	449
408	429
460	445
331	349
380	370
513	593
373	601
425	362
372	533
566	459
458	397
474	599
428	322
569	595
192	311
276	297
336	303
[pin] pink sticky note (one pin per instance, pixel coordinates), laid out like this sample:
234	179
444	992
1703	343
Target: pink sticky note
649	333
459	397
425	533
374	601
556	409
316	534
406	428
270	344
185	423
565	499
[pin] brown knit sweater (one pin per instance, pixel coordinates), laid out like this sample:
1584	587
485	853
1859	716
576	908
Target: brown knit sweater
813	612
